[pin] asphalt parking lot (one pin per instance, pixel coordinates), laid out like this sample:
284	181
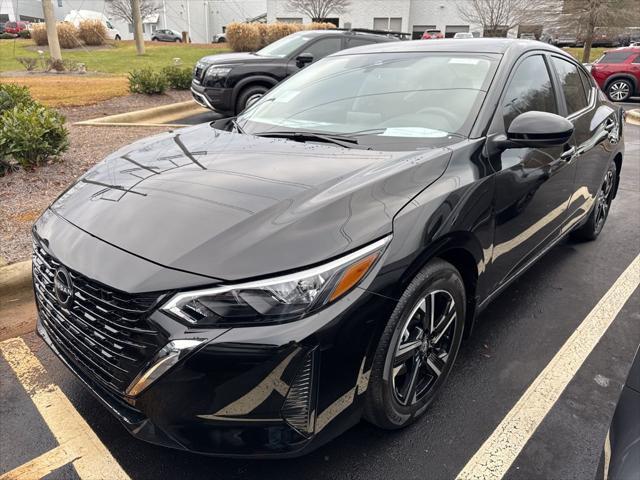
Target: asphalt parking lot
516	339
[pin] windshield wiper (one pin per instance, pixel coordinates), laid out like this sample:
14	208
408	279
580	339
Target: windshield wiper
237	126
343	141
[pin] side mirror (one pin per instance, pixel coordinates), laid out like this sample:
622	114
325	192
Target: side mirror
538	130
304	59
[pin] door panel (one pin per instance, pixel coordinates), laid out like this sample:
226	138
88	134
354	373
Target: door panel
533	186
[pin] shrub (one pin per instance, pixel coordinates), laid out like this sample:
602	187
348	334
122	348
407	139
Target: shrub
243	37
51	64
12	95
92	32
178	78
31	134
29	63
39	34
67	35
147	81
24	34
6	36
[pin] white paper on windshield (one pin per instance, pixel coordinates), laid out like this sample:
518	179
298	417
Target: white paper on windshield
287	96
417	132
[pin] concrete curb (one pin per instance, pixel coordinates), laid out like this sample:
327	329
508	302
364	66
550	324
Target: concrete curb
633	116
150	117
15	278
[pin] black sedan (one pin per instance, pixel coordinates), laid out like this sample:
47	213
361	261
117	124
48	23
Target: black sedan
256	286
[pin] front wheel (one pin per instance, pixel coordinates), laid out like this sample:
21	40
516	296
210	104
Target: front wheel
248	96
418	347
600	211
619	90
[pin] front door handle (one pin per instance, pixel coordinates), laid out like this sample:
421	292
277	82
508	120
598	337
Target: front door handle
568	154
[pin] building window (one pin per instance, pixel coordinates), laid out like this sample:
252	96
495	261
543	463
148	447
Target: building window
289	19
60	3
393	24
131	28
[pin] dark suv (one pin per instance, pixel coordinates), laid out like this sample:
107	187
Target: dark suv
618	73
228	82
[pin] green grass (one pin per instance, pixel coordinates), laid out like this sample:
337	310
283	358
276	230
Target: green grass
577	53
118	60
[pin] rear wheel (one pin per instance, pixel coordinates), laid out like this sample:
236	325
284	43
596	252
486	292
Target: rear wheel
249	95
598	216
619	90
418	347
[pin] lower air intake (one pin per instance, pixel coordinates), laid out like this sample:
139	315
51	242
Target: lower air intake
297	410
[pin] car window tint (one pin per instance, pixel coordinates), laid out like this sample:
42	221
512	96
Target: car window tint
614	57
571	85
588	85
357	42
529	89
324	47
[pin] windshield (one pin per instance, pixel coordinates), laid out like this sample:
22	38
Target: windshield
284	47
413	96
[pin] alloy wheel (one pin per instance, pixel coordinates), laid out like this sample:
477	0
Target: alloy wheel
603	200
619	91
423	348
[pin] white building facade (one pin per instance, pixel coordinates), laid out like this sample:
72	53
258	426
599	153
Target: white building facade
202	18
411	16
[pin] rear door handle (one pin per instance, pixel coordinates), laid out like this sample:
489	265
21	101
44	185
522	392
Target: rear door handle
568	154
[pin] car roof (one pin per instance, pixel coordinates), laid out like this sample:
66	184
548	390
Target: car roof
470	45
347	33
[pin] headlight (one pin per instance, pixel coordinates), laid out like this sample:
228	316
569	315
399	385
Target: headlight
215	73
288	297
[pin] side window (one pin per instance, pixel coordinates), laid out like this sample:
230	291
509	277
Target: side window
324	47
357	42
571	85
588	85
529	89
614	57
637	59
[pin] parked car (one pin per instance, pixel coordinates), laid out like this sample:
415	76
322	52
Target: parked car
527	36
14	28
220	38
256	285
568	40
77	16
620	459
229	82
166	35
618	73
432	35
2	24
463	35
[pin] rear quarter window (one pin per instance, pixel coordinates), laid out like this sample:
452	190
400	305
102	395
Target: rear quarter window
615	57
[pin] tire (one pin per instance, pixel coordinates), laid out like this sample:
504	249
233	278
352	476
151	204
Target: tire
154	39
619	90
595	222
118	37
247	94
386	406
177	40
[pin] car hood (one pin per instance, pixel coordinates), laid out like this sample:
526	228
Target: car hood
232	58
232	206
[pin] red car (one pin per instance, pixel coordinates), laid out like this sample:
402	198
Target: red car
15	28
432	34
617	73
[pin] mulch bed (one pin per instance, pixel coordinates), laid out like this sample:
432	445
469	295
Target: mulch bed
24	195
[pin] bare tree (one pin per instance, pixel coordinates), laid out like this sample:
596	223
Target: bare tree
582	17
499	16
319	9
122	9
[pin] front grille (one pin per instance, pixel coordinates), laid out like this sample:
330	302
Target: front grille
104	332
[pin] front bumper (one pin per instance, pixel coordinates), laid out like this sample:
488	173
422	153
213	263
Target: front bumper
229	397
220	99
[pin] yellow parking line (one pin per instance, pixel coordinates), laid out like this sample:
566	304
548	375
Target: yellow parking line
499	451
41	466
89	456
